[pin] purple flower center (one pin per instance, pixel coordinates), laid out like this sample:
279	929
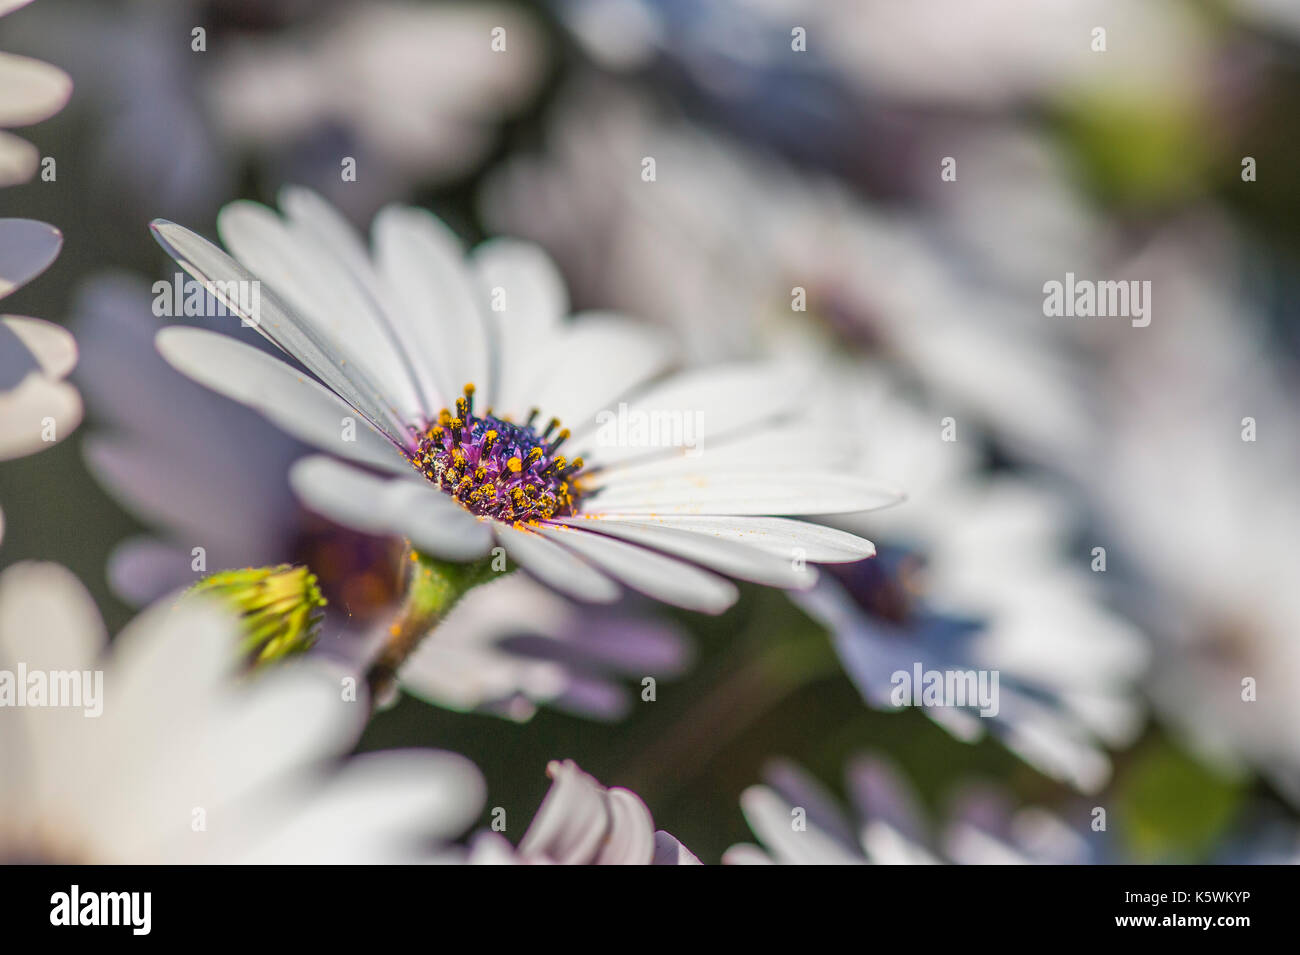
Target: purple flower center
495	467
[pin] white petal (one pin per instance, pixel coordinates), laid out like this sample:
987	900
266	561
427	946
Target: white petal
27	248
527	300
53	346
308	263
593	361
292	401
725	556
33	90
47	619
781	536
769	816
18	160
321	218
143	569
746	854
736	452
571	822
670	851
381	505
381	805
655	575
722	398
555	566
745	493
435	523
196	505
35	409
424	265
207	263
630	839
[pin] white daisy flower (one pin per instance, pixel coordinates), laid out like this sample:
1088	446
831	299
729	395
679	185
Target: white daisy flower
448	413
581	822
37	407
30	91
166	758
162	451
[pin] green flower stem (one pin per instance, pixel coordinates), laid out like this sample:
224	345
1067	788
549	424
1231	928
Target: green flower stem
433	588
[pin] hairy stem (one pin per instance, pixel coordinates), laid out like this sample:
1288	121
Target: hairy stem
433	588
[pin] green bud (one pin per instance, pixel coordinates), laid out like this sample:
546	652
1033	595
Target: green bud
279	608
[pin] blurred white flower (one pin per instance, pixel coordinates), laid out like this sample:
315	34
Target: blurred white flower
183	763
1006	53
417	90
581	822
37	407
394	333
975	573
765	259
1204	500
30	91
939	53
800	823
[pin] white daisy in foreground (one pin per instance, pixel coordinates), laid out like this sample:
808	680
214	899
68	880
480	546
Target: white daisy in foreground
30	91
162	450
581	822
162	757
37	407
445	382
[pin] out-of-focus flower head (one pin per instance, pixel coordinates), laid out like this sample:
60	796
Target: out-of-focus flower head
179	95
411	92
974	575
944	53
872	88
162	757
582	822
800	823
37	407
30	91
1200	496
